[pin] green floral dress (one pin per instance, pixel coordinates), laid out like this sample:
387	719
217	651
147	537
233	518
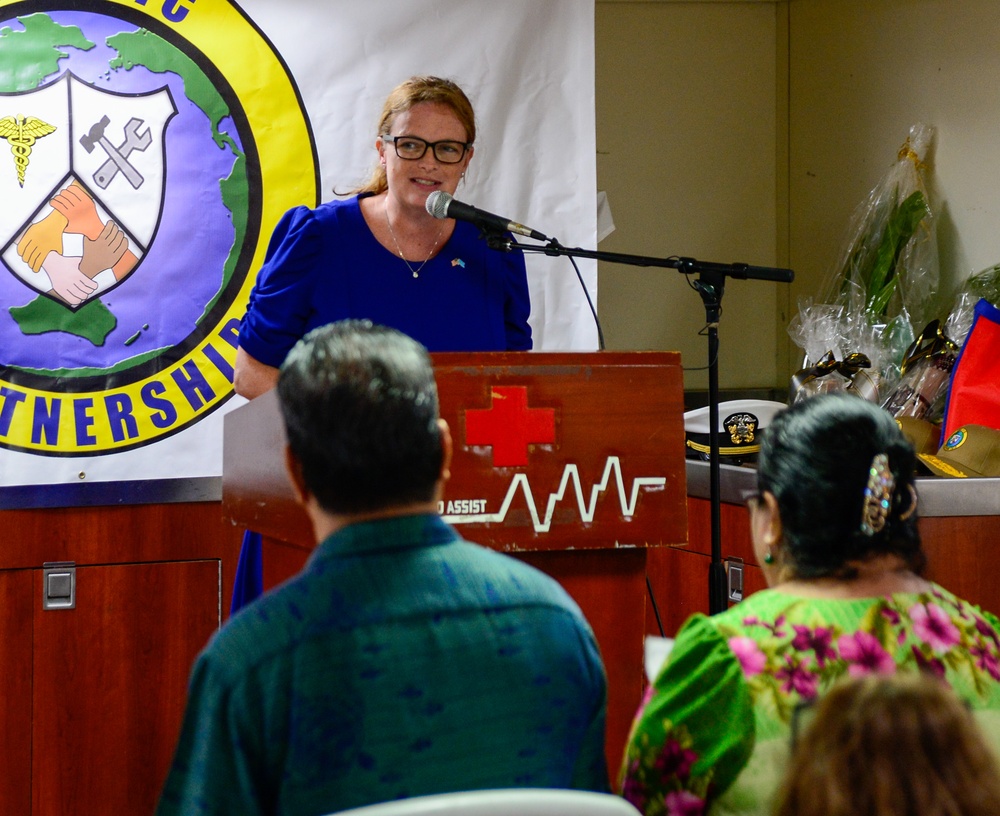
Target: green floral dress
713	736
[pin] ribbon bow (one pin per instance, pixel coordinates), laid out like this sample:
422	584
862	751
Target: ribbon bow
931	342
828	364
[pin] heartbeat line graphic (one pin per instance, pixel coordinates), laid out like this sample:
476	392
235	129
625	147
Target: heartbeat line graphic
570	474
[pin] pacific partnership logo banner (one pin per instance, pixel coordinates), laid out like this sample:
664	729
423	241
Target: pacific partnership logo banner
146	151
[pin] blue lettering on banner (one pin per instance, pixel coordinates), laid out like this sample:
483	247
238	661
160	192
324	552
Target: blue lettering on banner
221	362
173	12
45	421
165	414
231	332
193	384
171	9
81	413
123	424
11	398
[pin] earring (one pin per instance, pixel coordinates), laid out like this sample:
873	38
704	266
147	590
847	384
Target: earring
769	557
913	504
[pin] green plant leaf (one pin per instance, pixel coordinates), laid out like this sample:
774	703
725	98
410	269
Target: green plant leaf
899	229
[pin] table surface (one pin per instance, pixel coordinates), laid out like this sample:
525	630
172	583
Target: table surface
939	496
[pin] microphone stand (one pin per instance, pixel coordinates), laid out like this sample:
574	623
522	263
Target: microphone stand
711	284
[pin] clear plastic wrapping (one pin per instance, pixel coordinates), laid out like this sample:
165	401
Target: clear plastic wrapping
926	372
982	285
885	278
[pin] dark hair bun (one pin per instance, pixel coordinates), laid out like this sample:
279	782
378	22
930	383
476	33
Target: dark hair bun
816	458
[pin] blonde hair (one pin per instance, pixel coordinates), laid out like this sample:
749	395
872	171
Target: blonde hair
896	745
412	92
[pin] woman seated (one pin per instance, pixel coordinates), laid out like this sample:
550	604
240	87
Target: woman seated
834	525
892	745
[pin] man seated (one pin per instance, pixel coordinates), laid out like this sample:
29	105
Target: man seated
402	660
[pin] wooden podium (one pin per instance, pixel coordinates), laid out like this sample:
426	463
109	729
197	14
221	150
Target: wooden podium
573	462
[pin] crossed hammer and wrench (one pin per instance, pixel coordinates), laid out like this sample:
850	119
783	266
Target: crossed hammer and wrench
117	156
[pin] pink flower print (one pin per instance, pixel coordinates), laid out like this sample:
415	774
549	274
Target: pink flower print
865	655
931	666
986	659
647	696
985	629
675	761
797	678
773	628
633	790
819	640
752	659
932	625
683	803
891	615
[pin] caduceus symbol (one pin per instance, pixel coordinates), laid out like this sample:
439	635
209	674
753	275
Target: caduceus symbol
21	134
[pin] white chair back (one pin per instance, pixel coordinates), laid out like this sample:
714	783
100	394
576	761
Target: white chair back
505	802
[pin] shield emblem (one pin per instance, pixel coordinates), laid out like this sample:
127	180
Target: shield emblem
82	185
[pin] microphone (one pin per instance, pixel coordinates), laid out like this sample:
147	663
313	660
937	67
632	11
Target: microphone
442	205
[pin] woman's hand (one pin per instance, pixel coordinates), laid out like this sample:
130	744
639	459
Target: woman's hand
252	377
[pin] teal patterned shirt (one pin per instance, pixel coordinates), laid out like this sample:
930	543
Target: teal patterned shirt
401	661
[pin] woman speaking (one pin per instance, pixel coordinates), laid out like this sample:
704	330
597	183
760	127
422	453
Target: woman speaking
382	256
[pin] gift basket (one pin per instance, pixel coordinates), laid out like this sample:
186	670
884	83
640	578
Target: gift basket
857	330
928	376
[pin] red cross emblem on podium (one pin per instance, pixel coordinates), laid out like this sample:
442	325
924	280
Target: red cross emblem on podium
509	426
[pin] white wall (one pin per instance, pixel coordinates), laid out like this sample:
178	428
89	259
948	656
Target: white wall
750	131
687	141
861	74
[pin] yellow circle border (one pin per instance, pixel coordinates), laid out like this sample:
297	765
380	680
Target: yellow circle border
150	409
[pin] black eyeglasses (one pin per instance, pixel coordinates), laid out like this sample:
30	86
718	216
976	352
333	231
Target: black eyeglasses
413	148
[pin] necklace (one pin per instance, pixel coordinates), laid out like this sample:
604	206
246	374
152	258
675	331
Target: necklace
416	272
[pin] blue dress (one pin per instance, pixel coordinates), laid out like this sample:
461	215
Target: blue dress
324	264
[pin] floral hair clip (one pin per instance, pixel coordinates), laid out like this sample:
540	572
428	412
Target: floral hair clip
878	495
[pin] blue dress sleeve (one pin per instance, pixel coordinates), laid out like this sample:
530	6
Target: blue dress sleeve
517	303
697	730
281	302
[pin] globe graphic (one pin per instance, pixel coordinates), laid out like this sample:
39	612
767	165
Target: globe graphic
195	261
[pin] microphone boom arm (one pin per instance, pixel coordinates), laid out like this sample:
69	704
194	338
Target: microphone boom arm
688	266
710	285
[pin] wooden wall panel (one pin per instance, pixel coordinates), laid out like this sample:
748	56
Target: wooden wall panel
18	589
735	530
118	535
679	581
110	682
130	652
281	560
961	553
960	549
